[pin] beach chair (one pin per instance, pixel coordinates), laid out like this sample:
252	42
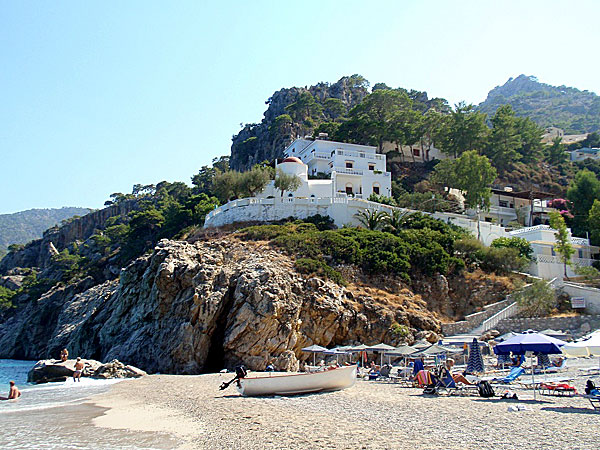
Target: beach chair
515	373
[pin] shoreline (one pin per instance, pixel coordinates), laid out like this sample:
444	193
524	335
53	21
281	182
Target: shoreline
370	415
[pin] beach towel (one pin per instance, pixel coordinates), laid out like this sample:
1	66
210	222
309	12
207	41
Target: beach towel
423	378
515	373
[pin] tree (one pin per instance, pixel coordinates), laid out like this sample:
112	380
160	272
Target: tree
594	223
406	128
287	182
530	135
472	174
226	185
584	189
504	143
371	219
464	130
537	299
304	107
395	220
254	180
334	108
555	153
563	243
370	120
521	245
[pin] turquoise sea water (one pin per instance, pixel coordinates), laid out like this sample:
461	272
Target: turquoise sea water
55	416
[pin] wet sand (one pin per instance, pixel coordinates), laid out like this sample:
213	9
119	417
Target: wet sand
370	415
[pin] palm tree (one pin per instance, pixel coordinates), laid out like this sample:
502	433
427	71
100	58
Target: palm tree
371	219
395	220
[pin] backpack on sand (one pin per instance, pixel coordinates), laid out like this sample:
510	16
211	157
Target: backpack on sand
485	389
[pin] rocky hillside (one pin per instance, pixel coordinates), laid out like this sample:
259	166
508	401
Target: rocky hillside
24	226
266	140
568	108
190	308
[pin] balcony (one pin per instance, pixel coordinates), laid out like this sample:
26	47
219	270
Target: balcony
349	171
354	154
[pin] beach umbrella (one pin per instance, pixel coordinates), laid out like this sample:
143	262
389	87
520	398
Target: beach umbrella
360	349
587	347
530	342
335	351
382	348
421	344
475	361
314	349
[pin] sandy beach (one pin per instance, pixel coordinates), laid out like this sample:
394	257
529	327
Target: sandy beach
370	415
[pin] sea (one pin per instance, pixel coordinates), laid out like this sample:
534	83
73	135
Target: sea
55	416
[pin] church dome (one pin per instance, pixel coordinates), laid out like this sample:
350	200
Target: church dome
292	159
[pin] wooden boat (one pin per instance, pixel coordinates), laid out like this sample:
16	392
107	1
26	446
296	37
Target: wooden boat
301	383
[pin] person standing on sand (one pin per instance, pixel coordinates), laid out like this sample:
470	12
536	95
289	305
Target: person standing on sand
13	393
78	370
64	355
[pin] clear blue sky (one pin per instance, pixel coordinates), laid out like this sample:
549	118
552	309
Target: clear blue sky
97	96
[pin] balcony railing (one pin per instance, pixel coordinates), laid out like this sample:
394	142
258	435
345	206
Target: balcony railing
371	156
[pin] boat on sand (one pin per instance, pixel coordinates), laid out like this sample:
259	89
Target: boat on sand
331	379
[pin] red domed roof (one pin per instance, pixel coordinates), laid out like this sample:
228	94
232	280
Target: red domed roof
292	159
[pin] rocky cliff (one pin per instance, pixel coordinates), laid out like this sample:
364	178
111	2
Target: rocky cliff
267	140
190	308
39	252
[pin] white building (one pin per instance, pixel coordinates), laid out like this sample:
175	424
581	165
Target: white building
546	262
350	169
585	153
527	207
412	153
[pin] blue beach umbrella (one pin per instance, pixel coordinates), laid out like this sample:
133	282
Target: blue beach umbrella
475	362
533	342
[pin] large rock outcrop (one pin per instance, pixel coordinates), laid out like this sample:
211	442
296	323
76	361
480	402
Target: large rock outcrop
51	370
189	308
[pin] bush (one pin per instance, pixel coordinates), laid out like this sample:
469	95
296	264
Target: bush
6	296
399	330
315	267
589	273
521	245
503	260
537	299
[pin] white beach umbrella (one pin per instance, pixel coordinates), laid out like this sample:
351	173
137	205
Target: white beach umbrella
382	348
314	349
587	347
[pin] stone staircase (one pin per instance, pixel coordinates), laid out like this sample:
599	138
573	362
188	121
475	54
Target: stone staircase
474	323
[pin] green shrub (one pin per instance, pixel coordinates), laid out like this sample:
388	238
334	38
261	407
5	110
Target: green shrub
6	296
399	330
522	245
503	260
536	300
319	268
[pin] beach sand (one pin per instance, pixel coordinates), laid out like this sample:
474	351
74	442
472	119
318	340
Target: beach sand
370	415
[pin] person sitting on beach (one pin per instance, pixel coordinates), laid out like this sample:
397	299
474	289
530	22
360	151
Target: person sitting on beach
64	354
78	370
13	393
457	377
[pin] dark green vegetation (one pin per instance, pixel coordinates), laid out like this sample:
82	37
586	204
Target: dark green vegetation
165	210
568	108
24	226
419	245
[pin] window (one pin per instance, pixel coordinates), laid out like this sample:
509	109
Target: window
580	253
349	164
371	166
290	195
553	252
376	189
503	203
416	152
349	188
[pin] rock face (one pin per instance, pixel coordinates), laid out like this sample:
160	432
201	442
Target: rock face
51	370
263	141
39	252
191	308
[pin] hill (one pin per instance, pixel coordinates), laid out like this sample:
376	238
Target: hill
565	107
24	226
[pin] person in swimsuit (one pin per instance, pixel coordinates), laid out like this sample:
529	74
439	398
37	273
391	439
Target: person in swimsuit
64	355
78	370
14	392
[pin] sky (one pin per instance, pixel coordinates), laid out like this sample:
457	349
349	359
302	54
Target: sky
98	96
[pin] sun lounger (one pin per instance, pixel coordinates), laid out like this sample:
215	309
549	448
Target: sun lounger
560	389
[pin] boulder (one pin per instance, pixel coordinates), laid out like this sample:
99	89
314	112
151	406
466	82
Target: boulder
49	370
116	369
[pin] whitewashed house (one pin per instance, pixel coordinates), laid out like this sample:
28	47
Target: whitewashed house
351	169
546	262
528	207
585	153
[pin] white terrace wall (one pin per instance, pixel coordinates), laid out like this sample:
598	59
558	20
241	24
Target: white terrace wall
342	210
